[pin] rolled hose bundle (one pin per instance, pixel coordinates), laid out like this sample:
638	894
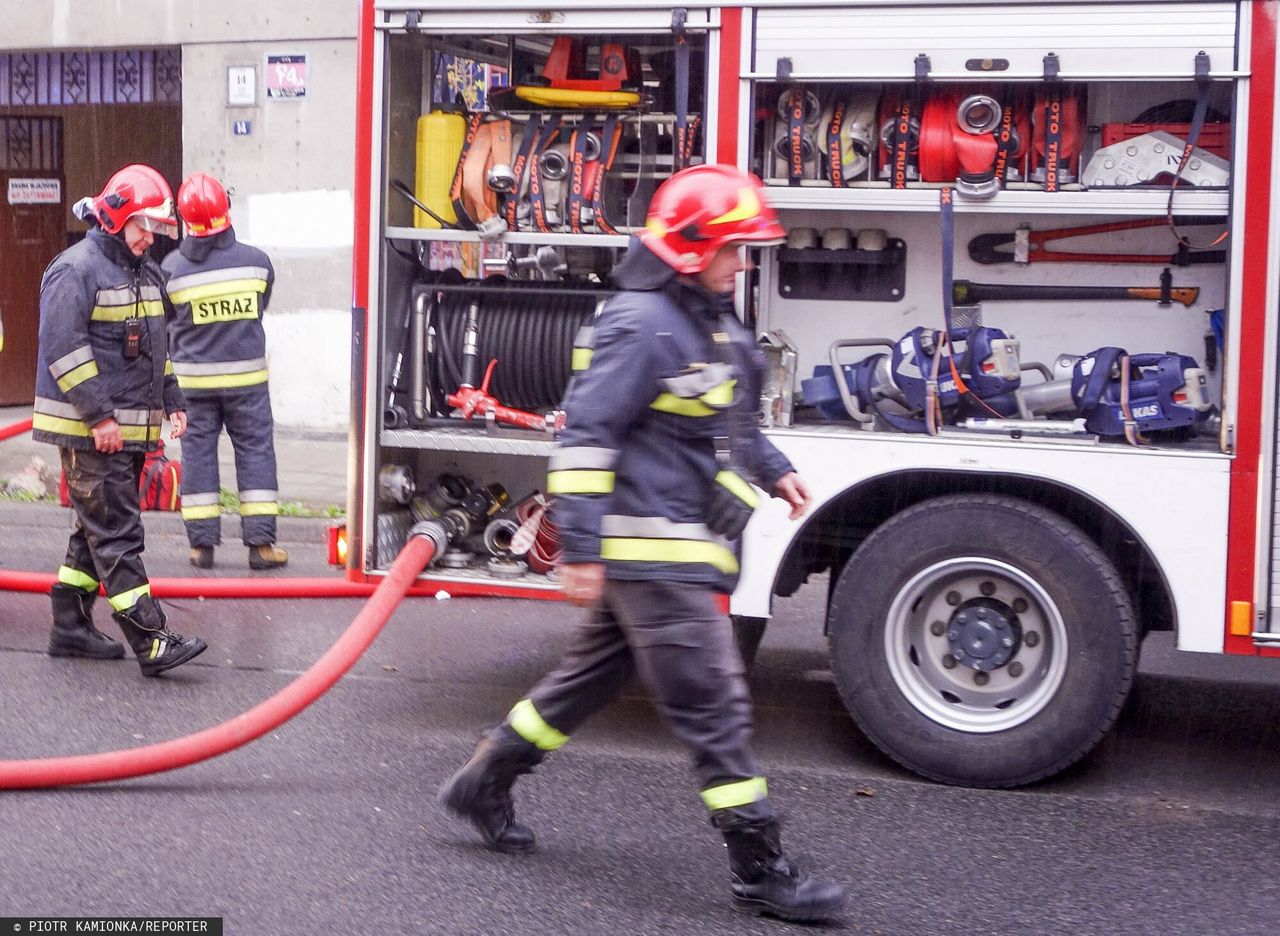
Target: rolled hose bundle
529	331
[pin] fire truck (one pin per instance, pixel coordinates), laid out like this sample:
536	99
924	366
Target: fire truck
1021	340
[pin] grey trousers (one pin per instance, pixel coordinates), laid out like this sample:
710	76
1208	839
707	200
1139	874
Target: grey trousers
682	646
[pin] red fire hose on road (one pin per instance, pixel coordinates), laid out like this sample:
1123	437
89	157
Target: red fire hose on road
424	542
18	428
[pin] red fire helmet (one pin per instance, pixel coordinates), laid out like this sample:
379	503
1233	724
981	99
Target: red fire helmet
204	205
136	191
701	209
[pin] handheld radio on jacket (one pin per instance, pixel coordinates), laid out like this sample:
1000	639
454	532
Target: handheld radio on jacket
132	337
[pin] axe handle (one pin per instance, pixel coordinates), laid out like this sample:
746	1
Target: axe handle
966	292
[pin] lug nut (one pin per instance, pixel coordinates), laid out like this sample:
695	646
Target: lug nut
937	628
948	661
1015	669
959	653
953	598
1019	605
987	588
954	635
981	678
1031	638
1006	641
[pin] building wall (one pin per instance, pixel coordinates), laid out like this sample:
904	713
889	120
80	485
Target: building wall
291	175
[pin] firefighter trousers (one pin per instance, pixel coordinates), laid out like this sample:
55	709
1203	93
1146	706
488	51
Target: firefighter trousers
107	541
682	646
246	414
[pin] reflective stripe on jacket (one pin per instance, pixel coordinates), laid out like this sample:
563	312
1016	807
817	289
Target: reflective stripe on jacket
633	473
87	297
219	289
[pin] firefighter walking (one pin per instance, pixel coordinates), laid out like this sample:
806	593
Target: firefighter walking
103	390
219	288
652	495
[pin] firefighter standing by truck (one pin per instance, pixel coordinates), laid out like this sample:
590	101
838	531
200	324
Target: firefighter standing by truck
220	288
651	497
101	396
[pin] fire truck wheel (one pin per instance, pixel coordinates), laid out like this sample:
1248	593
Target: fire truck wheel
982	640
747	633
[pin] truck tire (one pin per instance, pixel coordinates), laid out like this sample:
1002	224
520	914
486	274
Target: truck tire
982	640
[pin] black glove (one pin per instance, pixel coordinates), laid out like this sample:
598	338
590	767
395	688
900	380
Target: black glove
733	501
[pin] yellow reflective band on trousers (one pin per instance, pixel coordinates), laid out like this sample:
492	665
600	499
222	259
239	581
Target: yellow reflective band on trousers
732	795
528	724
259	509
581	359
126	600
168	367
201	512
710	403
669	550
77	579
580	482
739	488
221	381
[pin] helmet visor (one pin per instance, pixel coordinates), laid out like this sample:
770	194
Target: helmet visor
158	220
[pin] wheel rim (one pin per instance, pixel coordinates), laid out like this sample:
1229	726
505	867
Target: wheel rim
975	644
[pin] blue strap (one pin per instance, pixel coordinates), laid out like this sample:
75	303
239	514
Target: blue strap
682	92
532	130
1103	360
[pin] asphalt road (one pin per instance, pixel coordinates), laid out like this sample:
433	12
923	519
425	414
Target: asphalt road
328	824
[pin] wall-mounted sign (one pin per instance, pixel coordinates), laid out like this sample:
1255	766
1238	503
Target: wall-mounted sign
35	191
242	85
241	127
286	77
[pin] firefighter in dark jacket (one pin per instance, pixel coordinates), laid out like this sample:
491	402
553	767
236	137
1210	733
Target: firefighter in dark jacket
219	289
653	483
105	386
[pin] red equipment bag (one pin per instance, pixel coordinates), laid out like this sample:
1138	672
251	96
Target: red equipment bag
159	485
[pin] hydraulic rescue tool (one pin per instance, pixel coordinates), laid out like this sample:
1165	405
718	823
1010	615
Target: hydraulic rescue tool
975	380
985	360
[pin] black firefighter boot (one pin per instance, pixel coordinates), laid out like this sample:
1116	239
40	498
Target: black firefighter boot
156	647
481	791
767	881
73	632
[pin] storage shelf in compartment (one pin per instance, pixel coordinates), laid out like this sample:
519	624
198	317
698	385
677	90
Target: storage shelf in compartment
1112	201
511	237
500	442
533	581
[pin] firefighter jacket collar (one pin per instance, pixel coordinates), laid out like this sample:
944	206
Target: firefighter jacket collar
642	271
197	249
115	249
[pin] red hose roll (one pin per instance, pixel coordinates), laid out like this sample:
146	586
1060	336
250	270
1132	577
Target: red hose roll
243	728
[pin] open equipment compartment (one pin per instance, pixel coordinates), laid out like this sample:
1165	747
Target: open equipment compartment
517	158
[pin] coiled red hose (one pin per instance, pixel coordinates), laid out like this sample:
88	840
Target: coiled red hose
243	728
